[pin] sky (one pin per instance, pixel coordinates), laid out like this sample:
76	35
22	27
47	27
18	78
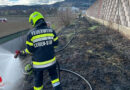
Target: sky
27	2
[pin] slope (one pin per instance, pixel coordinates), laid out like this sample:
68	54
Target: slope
100	54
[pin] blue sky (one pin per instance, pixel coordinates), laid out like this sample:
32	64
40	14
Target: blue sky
27	2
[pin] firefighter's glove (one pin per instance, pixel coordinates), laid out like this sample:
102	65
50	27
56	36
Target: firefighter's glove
23	53
28	69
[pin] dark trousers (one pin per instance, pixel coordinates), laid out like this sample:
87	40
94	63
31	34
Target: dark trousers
38	77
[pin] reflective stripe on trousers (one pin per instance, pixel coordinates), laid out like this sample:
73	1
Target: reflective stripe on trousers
38	88
44	64
55	82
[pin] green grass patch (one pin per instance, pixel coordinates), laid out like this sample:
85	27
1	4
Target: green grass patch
92	28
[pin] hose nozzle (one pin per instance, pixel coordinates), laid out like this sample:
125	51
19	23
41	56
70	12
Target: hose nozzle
17	52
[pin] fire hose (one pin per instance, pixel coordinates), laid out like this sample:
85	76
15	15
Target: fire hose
69	71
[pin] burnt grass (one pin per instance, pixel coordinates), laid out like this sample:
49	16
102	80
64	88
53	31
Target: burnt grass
100	55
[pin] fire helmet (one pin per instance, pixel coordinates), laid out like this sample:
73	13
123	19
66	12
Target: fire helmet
34	17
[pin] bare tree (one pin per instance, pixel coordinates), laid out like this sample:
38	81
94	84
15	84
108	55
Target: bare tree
66	16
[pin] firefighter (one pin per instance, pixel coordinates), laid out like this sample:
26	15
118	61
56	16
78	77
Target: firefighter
41	42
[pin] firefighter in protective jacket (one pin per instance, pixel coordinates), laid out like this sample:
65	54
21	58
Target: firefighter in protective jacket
41	42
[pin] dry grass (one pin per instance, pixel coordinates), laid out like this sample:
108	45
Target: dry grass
14	24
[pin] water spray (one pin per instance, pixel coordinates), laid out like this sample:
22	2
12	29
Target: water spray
11	75
1	83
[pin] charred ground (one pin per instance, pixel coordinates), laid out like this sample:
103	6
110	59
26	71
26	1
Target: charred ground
98	53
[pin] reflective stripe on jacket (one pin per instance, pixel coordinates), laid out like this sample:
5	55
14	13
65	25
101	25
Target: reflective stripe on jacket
44	64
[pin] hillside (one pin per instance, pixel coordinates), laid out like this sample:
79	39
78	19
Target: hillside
26	10
80	1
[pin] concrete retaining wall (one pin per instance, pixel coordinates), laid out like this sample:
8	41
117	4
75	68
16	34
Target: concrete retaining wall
117	11
112	13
